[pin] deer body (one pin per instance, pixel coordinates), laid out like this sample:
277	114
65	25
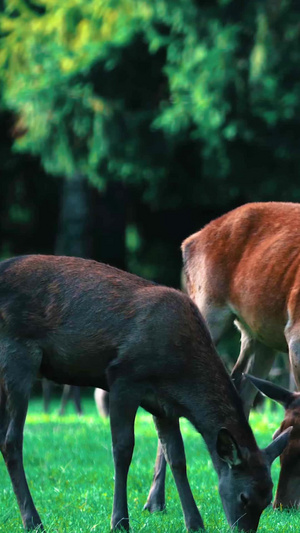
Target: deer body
82	323
245	267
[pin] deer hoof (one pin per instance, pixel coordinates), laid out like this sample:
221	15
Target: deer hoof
154	507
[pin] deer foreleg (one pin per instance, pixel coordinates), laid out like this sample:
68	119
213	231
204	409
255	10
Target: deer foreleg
254	358
172	444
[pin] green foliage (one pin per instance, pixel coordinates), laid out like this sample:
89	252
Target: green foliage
79	76
194	106
41	58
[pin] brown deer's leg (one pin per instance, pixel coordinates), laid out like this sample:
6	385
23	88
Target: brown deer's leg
17	366
246	354
254	358
172	444
124	400
66	395
156	496
70	392
77	399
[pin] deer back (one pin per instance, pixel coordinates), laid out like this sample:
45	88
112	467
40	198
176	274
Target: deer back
248	260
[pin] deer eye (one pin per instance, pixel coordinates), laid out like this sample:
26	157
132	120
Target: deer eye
244	499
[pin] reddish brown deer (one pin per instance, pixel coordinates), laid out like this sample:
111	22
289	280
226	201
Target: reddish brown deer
245	266
82	323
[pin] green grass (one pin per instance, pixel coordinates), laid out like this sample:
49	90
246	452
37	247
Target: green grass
69	467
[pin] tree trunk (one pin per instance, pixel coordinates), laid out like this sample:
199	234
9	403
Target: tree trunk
108	224
73	235
72	240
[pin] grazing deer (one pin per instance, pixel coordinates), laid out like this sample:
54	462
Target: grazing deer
84	323
245	267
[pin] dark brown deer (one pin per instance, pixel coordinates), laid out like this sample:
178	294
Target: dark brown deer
83	323
245	267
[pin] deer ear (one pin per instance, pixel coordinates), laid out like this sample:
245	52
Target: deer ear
278	445
227	448
279	394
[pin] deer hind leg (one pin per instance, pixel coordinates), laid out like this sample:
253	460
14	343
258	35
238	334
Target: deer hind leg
172	445
156	496
124	400
18	368
255	358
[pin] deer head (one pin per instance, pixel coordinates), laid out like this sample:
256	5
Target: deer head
288	491
245	485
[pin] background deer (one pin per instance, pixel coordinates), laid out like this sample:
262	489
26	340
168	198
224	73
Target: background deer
245	267
83	323
70	392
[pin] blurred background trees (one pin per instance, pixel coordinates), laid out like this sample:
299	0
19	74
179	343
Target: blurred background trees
127	125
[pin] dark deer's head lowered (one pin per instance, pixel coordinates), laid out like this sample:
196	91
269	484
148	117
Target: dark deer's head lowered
244	500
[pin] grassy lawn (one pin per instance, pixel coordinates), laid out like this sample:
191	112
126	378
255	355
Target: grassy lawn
69	466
